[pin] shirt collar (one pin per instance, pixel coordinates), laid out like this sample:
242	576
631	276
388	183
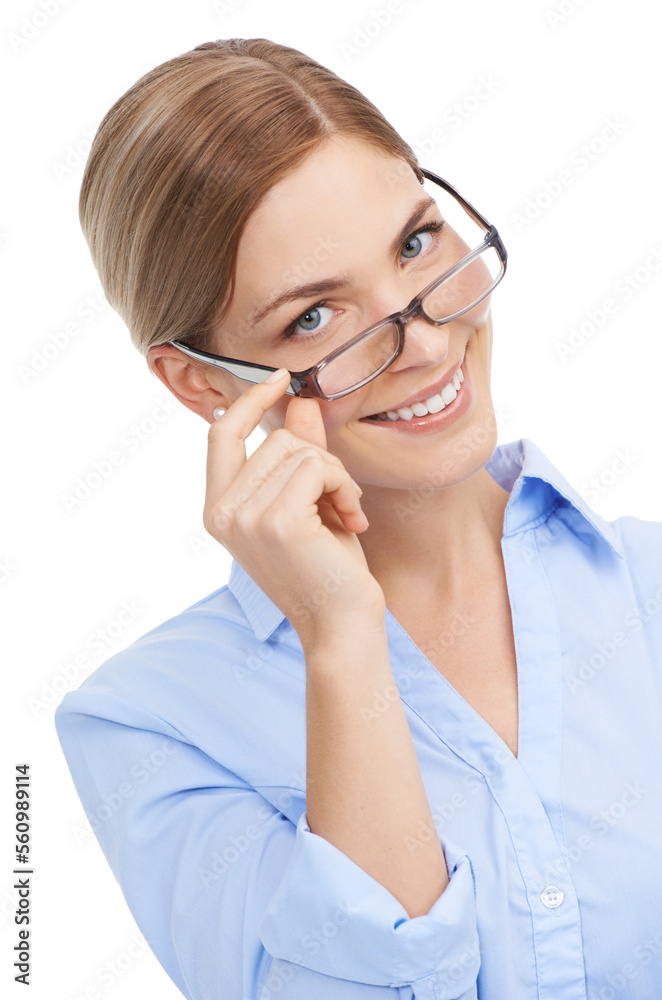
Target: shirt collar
536	488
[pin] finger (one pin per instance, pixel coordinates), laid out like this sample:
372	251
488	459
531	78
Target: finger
315	481
304	418
226	451
306	422
260	482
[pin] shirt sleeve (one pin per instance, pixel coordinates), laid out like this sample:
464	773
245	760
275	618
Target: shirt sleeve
237	901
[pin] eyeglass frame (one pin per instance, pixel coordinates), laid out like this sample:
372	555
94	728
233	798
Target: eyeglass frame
306	381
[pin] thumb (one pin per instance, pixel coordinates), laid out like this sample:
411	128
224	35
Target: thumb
304	418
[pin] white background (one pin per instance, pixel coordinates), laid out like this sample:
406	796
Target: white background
558	72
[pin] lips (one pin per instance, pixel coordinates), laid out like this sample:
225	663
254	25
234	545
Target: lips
420	397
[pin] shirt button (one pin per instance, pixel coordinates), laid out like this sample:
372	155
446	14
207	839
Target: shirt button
552	896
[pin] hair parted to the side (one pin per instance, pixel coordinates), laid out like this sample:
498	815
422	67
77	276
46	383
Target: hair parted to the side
180	161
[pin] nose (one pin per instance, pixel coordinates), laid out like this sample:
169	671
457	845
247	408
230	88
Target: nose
425	345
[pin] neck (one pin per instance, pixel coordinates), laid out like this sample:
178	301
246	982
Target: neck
446	542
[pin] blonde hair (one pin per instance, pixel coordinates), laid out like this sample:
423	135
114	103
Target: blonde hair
181	160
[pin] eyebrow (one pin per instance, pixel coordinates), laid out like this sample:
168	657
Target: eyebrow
321	287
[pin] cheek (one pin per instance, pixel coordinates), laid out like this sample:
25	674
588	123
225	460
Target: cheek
337	413
488	337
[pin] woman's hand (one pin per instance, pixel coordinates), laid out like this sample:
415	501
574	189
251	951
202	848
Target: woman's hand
289	515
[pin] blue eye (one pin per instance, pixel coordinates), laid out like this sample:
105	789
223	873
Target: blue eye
311	320
413	246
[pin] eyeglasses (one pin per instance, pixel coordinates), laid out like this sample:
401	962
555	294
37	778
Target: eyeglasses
461	279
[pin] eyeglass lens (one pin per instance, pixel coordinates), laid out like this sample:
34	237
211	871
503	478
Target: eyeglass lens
438	252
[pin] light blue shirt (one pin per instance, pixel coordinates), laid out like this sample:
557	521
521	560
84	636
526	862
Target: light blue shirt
188	751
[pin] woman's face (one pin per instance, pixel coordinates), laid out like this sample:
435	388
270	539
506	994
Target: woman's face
335	217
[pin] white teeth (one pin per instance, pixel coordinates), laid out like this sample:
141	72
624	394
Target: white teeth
436	403
405	413
432	405
448	393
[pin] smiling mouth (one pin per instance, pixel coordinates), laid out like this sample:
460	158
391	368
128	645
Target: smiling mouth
433	404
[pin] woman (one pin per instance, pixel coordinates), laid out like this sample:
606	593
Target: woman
411	747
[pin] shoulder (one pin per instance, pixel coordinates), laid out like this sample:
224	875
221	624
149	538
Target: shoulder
202	677
641	547
635	532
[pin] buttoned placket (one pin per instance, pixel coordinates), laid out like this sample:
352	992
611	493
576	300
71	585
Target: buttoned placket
527	788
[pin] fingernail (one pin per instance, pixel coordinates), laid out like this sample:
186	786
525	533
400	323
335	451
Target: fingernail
358	488
275	376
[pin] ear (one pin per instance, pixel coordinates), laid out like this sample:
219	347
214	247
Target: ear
199	387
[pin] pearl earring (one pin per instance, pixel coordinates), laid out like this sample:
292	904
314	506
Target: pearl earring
219	411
